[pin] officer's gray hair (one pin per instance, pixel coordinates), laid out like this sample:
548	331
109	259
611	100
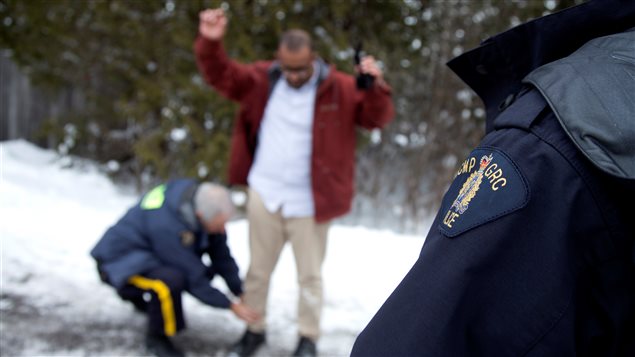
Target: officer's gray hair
211	200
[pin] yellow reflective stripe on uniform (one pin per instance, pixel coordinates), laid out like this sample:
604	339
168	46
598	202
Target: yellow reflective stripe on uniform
154	199
165	299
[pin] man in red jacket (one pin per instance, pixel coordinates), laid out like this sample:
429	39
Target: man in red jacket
294	147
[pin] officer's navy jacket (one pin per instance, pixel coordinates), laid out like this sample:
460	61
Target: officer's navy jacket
161	230
533	250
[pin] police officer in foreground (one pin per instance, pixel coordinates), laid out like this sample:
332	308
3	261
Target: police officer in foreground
532	252
155	252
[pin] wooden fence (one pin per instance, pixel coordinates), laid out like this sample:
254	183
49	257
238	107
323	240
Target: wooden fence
25	107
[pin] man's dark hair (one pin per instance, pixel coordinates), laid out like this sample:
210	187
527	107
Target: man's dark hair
295	40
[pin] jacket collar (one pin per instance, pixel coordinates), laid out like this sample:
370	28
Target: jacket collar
591	94
275	72
186	208
495	69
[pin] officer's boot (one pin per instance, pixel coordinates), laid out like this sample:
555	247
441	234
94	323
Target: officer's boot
160	345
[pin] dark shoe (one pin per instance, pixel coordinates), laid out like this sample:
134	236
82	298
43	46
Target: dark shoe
247	345
161	346
306	348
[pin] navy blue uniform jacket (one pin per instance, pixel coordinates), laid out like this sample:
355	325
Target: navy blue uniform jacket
161	230
532	252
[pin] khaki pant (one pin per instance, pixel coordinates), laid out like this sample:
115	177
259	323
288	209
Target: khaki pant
268	233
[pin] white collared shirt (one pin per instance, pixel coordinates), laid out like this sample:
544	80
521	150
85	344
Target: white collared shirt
281	172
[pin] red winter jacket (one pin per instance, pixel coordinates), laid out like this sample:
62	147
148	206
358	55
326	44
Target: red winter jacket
339	108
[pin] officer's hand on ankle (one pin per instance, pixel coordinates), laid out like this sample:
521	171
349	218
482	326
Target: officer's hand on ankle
244	312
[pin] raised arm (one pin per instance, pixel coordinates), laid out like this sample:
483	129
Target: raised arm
231	79
376	108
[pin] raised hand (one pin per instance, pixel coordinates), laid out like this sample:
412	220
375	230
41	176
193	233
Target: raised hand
212	24
369	66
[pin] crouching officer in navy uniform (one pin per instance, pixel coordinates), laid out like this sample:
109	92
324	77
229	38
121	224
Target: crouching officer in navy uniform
533	250
155	252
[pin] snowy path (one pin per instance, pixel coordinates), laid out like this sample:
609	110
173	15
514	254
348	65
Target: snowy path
52	303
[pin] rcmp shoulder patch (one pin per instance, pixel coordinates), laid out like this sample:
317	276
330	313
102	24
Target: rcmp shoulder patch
187	238
488	185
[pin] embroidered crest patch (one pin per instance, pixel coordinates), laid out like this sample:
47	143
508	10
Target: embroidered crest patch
187	238
487	185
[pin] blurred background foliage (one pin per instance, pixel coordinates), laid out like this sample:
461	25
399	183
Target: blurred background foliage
140	107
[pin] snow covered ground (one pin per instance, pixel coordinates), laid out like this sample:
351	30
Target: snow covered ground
52	302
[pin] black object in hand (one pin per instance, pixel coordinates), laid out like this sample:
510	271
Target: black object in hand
363	80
